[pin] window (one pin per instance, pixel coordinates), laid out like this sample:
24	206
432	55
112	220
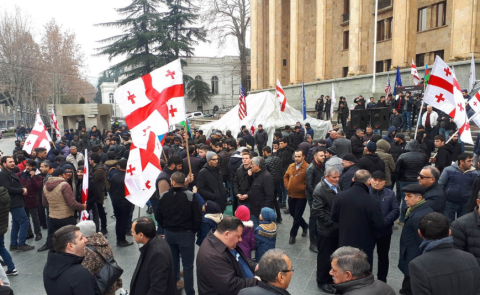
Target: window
198	78
345	40
388	28
379	66
110	98
440	12
346	6
384	29
422	20
249	84
388	64
214	85
284	62
381	30
439	53
344	72
420	60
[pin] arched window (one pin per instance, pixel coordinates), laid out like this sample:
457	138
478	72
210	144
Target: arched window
198	78
214	85
248	87
110	97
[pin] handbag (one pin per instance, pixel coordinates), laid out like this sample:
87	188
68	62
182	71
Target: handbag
108	274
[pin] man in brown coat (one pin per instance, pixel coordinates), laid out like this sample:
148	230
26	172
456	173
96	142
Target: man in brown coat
294	181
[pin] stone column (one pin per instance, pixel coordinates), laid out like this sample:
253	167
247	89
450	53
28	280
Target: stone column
254	44
464	29
275	42
321	39
258	70
355	37
404	34
296	62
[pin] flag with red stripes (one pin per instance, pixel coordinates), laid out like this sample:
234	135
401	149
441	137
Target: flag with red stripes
38	137
242	104
416	78
85	179
54	125
388	88
281	98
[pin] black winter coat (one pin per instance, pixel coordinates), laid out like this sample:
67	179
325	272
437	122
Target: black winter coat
197	165
234	163
323	198
154	274
286	154
466	233
345	181
210	186
296	138
242	181
411	163
249	139
410	240
274	166
313	177
117	189
261	137
435	197
397	149
457	150
371	163
358	215
390	210
178	210
262	192
444	157
319	107
64	274
445	270
11	182
264	289
4	210
357	146
218	272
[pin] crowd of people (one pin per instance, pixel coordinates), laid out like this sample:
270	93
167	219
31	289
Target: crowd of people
360	186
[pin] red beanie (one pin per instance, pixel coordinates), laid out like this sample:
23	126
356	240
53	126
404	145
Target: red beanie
242	213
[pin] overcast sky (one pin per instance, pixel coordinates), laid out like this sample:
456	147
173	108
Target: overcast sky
80	17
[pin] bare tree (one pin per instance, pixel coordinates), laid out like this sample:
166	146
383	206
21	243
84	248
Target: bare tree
229	18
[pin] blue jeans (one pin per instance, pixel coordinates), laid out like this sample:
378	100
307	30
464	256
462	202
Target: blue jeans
284	194
230	190
183	244
444	132
451	208
5	254
155	203
403	207
20	224
407	116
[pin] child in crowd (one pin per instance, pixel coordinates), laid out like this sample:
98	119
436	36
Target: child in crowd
210	220
266	232
248	243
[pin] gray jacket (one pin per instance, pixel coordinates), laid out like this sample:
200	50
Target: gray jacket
344	146
261	137
334	162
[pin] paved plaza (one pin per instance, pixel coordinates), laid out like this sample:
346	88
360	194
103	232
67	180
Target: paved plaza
30	264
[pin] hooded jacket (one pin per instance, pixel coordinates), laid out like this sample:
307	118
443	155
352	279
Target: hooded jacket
383	149
410	163
64	274
33	185
388	137
371	163
100	175
266	233
248	243
58	197
396	150
458	184
443	158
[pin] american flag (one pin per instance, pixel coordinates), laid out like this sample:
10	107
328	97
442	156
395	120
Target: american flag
388	89
242	105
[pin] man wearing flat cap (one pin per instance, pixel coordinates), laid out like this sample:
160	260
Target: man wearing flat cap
410	240
349	163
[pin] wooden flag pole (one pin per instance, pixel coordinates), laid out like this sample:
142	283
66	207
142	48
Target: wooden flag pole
138	212
188	155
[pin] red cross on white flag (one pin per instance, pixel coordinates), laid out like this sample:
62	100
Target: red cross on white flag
474	102
54	125
416	78
38	137
280	98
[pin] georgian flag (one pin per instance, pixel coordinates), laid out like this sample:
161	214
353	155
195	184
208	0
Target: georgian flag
38	137
461	118
474	102
416	78
54	125
84	214
281	98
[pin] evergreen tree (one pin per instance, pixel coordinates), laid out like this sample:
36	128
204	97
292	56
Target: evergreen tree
197	91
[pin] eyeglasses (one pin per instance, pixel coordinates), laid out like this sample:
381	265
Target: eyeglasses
214	159
289	270
422	177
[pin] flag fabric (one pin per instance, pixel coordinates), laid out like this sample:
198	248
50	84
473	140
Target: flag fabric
471	78
334	101
252	128
84	213
151	104
444	93
54	125
426	77
398	81
474	102
186	125
242	104
388	89
38	137
416	78
304	104
282	99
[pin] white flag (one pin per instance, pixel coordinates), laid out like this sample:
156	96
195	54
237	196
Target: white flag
334	101
416	78
85	179
281	99
471	78
38	137
54	125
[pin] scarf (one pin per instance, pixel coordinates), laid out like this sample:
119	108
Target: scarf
399	104
319	165
413	208
428	245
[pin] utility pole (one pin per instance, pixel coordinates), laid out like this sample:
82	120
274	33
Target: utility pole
375	47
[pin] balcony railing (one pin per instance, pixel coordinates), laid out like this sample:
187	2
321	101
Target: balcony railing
345	17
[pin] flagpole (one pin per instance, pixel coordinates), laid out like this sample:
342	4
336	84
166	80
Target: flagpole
375	46
188	156
419	118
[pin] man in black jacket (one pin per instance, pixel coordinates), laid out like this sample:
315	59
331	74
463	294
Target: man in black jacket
262	190
285	153
63	272
328	105
371	161
210	183
222	268
242	181
20	221
466	232
274	166
410	241
443	158
357	143
261	138
324	195
358	215
349	163
442	269
315	173
179	214
296	137
319	108
154	273
121	206
249	139
434	194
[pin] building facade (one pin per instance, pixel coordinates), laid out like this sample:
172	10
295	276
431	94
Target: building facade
221	73
315	40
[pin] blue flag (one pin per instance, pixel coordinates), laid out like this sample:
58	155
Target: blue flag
304	104
398	81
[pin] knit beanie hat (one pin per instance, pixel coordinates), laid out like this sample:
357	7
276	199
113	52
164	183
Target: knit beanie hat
268	214
371	147
210	155
212	208
242	213
87	228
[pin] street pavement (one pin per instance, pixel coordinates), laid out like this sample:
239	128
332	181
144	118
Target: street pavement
30	264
